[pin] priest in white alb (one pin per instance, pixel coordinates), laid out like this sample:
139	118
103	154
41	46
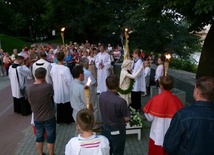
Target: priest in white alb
103	65
18	74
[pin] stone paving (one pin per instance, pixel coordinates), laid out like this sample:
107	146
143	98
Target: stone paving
65	132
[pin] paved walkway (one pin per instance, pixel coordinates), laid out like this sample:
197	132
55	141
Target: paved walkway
65	132
26	143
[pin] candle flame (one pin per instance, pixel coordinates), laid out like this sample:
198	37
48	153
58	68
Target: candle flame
126	29
88	81
168	56
63	29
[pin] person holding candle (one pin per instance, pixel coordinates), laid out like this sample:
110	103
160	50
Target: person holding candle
103	64
92	86
77	98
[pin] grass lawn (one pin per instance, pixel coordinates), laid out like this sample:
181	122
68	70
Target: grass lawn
8	43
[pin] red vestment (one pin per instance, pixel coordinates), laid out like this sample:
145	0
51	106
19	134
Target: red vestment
163	106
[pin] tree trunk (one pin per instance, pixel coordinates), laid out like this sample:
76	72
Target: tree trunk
206	63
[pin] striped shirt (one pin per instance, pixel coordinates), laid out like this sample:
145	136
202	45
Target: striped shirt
93	145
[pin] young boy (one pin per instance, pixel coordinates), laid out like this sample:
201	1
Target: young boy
147	72
87	142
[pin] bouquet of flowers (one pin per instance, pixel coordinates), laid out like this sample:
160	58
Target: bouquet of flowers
136	118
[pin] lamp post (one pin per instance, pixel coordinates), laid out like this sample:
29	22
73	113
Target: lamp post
62	35
166	63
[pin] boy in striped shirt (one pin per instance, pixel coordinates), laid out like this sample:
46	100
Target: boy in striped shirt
87	141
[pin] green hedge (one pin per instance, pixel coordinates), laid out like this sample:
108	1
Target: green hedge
181	64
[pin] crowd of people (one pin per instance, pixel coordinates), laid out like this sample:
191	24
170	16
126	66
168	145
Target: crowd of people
59	80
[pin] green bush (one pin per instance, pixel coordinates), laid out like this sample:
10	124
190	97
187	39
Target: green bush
182	64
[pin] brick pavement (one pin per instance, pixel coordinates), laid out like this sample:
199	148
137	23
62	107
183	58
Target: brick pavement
11	124
64	132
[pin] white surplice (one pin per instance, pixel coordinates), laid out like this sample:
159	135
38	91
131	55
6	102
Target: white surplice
102	73
62	78
139	84
23	73
44	64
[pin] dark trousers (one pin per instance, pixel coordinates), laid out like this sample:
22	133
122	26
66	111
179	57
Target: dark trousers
64	113
22	106
136	100
116	137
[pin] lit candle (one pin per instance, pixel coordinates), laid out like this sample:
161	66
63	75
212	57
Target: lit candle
87	92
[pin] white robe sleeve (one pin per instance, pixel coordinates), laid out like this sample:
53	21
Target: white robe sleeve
24	71
67	76
149	117
97	61
133	76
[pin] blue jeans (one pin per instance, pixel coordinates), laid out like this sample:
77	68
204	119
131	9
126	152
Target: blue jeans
117	138
49	126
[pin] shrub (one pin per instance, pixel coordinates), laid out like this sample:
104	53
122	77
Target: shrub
187	65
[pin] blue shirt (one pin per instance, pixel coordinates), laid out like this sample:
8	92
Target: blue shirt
68	58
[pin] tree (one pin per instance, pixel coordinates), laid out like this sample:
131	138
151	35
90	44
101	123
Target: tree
198	13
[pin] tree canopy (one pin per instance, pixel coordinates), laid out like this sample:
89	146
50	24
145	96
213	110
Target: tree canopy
157	25
198	13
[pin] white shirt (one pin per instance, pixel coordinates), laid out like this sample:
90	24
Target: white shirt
147	71
94	145
62	78
159	72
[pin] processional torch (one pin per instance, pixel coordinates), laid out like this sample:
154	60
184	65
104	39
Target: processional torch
62	35
87	93
166	63
126	52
